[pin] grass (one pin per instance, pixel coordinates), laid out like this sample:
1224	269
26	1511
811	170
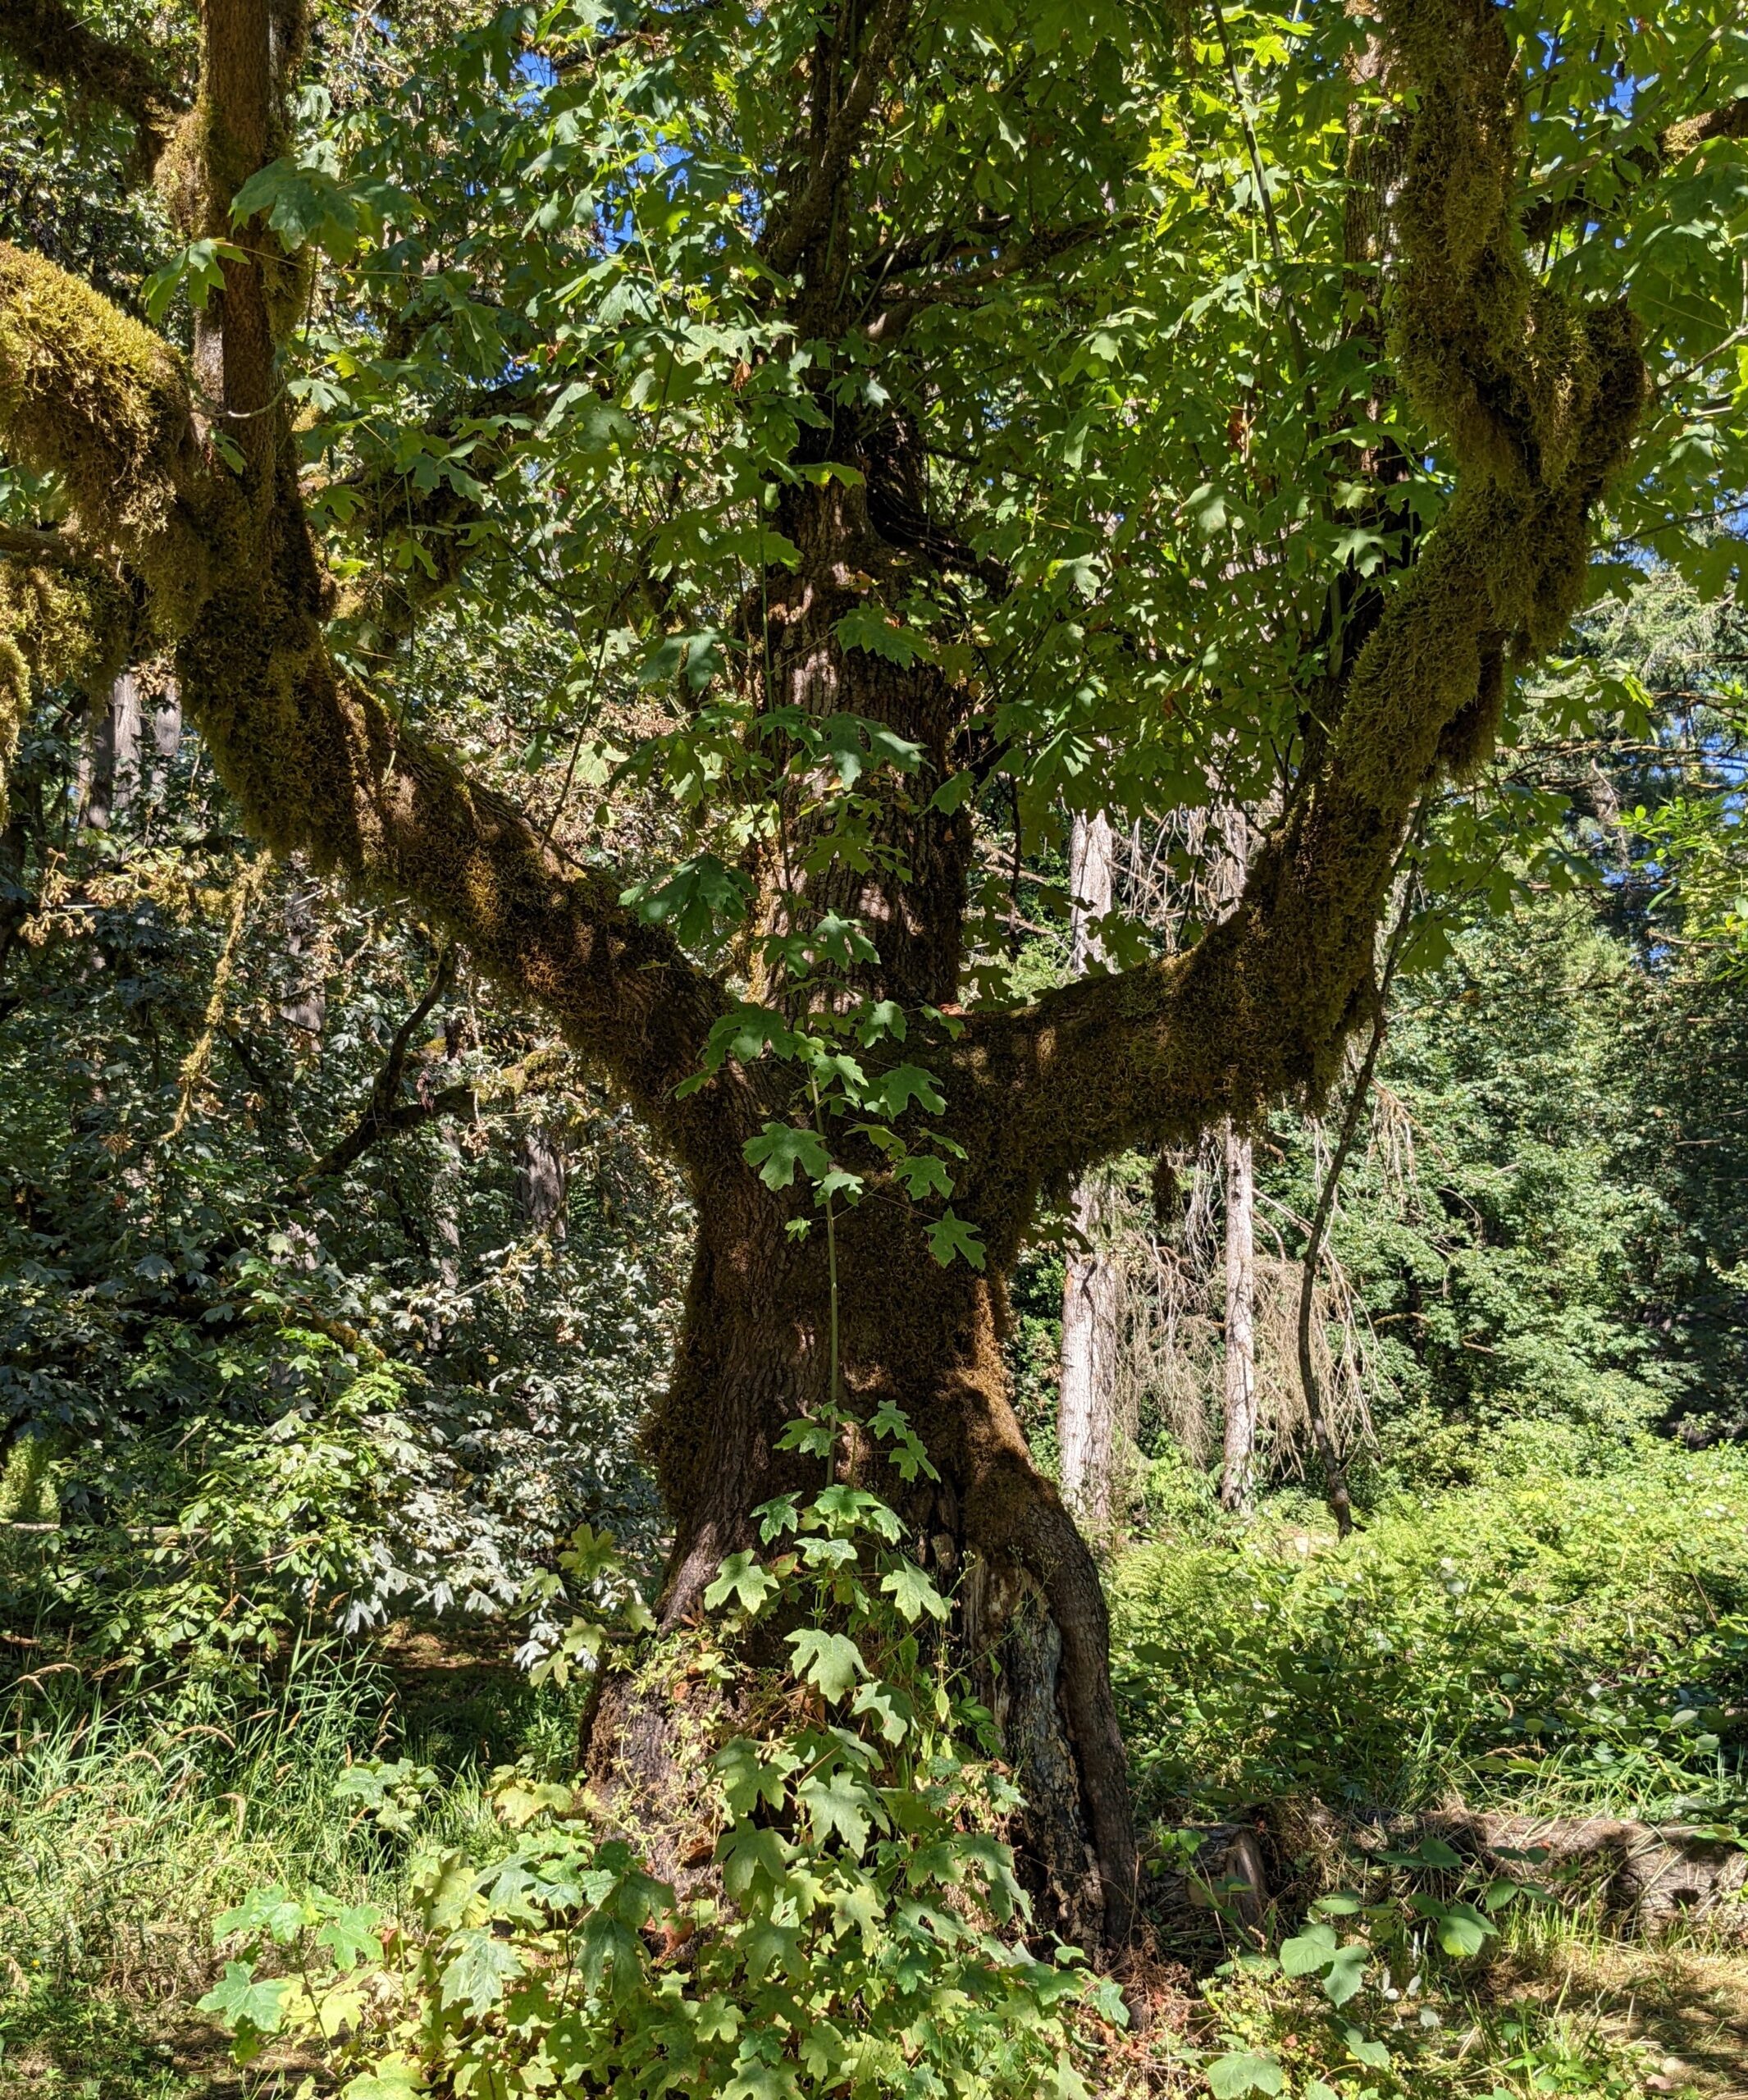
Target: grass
1553	1642
128	1822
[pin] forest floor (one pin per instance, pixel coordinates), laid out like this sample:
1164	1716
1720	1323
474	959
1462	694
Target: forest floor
1553	1644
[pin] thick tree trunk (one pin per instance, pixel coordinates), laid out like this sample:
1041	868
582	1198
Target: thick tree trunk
754	1349
1087	1425
1240	1447
1031	1616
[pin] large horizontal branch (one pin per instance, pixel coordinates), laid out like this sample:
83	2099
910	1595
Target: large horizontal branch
317	764
52	41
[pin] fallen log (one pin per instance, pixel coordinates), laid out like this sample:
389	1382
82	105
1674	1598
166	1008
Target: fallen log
1643	1877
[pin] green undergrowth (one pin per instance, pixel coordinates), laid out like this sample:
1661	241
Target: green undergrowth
1560	1641
1552	1641
132	1813
1556	1641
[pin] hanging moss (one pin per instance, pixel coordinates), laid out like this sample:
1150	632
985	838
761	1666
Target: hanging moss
57	627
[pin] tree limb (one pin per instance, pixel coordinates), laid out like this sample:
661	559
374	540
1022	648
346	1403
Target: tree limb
316	763
1262	1008
384	1111
795	228
970	287
1545	217
49	39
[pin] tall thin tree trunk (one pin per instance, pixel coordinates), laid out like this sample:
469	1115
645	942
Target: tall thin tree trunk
543	1175
305	1005
112	765
1241	1324
1087	1428
1239	1443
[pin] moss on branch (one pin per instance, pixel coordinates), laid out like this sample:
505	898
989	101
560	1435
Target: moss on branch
52	41
1538	399
91	396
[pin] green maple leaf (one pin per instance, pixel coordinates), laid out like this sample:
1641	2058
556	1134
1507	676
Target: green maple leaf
478	1969
746	1856
741	1576
894	1091
780	1149
952	1236
914	1594
239	2003
831	1661
351	1936
841	1806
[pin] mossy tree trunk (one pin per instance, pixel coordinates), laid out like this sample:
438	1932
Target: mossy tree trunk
754	1352
754	1348
1538	399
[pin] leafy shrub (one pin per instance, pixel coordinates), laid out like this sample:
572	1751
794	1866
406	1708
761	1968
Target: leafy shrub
865	1940
1574	1639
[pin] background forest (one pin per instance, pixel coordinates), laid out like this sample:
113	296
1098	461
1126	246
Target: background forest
339	1289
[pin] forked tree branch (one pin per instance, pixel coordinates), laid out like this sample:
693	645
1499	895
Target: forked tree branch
796	227
1262	1008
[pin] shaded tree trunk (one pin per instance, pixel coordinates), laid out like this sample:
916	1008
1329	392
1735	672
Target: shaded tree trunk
1086	1427
543	1177
305	1005
113	753
1031	1618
